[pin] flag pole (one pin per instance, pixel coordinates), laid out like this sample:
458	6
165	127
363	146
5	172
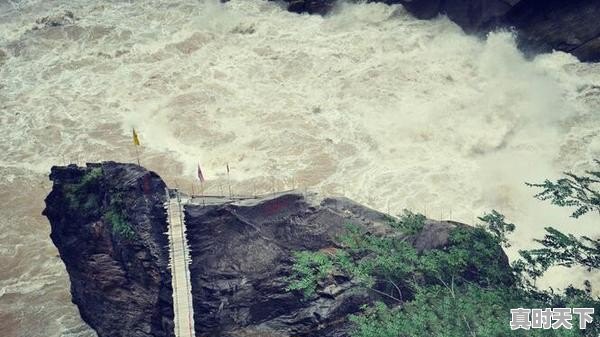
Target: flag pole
229	182
137	155
202	192
136	143
201	179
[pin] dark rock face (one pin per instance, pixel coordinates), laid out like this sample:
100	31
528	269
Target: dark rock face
571	26
121	286
311	6
471	15
242	254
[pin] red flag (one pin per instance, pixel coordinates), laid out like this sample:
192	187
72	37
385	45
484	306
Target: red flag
200	176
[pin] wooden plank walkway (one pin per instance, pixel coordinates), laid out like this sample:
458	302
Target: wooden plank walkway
179	262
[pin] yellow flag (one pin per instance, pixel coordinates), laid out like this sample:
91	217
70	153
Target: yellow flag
136	140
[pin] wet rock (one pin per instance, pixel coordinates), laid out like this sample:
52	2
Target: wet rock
57	20
244	29
121	286
471	15
310	6
570	26
241	256
542	26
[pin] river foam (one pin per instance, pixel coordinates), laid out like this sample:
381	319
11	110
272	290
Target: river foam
367	102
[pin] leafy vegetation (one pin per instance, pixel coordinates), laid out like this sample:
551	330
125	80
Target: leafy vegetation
472	256
309	268
466	288
391	267
580	191
83	195
370	260
469	310
560	249
117	218
408	223
496	225
119	224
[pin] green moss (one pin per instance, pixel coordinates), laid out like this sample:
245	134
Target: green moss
85	197
119	224
84	194
117	218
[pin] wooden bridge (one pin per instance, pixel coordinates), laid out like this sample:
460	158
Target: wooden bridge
180	255
179	263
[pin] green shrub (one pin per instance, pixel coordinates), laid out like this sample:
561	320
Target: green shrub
468	310
117	218
473	255
409	222
573	190
119	224
309	268
496	225
85	197
84	194
464	289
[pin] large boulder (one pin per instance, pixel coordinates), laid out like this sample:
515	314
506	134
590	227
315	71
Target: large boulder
242	256
571	26
471	15
120	280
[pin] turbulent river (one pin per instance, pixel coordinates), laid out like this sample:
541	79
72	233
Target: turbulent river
368	102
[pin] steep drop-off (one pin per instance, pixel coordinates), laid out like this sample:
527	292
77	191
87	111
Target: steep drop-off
108	222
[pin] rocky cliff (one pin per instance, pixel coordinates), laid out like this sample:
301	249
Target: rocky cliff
108	223
571	26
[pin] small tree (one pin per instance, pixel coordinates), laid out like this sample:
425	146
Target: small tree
581	191
565	250
495	224
562	249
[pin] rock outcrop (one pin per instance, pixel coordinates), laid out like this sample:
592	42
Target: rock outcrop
109	223
571	26
242	255
119	275
58	20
